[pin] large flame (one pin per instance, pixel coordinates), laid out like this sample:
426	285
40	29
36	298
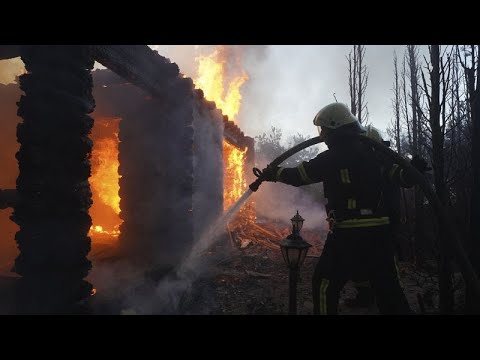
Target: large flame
104	180
217	85
223	87
235	183
105	175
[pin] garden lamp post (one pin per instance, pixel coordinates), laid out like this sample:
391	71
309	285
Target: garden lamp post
294	250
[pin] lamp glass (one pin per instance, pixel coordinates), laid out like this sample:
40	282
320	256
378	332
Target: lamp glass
292	257
297	223
303	255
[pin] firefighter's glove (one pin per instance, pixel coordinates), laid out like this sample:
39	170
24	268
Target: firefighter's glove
270	173
420	164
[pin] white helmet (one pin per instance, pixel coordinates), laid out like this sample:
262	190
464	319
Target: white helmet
374	134
334	116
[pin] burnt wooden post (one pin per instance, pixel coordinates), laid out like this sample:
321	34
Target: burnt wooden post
53	189
156	184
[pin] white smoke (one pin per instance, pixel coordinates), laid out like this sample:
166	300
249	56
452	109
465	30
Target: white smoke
130	288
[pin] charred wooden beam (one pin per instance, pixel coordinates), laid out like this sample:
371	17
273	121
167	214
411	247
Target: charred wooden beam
233	135
141	66
54	193
155	74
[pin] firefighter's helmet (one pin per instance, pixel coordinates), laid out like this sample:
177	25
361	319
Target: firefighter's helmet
373	133
335	116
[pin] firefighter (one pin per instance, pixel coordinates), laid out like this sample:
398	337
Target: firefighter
359	246
365	295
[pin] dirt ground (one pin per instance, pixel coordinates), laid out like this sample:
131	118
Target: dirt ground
243	275
252	279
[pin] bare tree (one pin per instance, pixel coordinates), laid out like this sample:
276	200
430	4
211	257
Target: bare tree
362	85
352	80
405	108
475	199
437	91
414	125
396	103
436	112
412	53
395	133
473	95
357	82
458	143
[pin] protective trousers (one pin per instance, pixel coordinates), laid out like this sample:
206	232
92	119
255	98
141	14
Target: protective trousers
358	254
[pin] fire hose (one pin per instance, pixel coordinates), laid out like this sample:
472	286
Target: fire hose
258	173
451	237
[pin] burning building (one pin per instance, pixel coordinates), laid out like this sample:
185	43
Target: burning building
158	168
148	170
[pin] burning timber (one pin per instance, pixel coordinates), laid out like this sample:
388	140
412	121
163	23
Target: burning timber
133	158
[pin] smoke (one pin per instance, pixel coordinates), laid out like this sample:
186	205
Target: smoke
129	288
279	202
239	59
125	287
256	53
133	287
10	69
243	56
288	83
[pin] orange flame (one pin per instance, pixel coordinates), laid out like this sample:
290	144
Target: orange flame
104	180
105	175
211	78
224	90
235	183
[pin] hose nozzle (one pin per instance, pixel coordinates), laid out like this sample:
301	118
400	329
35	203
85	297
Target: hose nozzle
256	184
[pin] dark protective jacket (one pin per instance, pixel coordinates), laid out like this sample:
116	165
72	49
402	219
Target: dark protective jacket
359	183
